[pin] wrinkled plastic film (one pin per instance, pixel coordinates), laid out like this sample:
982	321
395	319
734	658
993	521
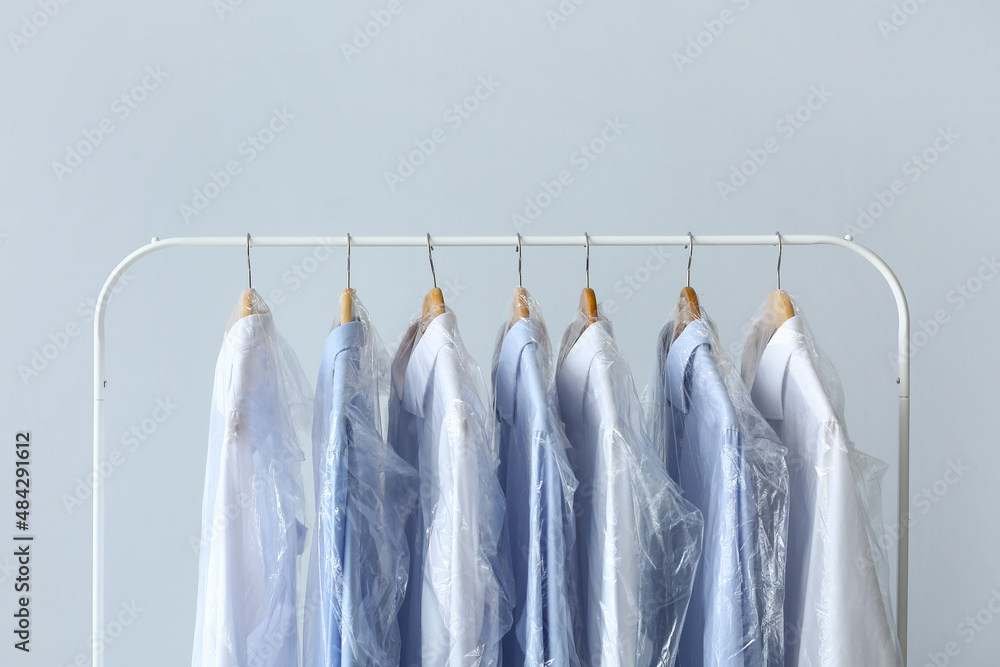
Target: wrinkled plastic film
359	563
838	605
729	463
253	522
539	487
458	600
639	539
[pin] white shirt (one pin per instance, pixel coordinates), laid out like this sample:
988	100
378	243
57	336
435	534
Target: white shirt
456	607
250	535
836	605
639	541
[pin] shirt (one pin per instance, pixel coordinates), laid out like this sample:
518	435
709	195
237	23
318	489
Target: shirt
250	539
639	541
538	485
836	604
457	602
731	467
364	493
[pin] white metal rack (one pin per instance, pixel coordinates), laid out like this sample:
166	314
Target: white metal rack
509	241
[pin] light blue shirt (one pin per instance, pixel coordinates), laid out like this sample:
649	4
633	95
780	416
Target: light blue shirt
639	540
730	465
364	494
539	487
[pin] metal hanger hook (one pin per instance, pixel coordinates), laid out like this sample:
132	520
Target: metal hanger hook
586	238
249	272
778	234
690	256
430	257
348	261
519	282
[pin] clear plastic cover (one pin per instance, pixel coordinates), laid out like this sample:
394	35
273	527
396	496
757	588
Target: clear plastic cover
837	602
253	524
458	600
365	492
729	463
539	486
639	539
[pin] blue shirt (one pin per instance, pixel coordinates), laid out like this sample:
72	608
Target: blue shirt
539	487
364	493
729	464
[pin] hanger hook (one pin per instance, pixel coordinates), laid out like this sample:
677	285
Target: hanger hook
249	273
778	234
519	282
430	256
348	261
586	238
690	256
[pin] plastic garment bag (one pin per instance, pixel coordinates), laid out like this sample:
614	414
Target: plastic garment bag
731	466
252	528
639	540
837	604
364	493
457	604
539	485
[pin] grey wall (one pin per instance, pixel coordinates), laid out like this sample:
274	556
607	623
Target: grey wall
890	84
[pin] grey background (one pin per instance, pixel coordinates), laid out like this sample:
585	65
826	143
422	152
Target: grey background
224	73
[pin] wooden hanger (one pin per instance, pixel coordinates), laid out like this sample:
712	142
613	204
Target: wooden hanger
778	308
434	301
588	300
249	307
347	296
519	306
688	308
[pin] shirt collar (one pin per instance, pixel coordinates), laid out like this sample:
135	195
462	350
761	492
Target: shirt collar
441	332
248	331
678	365
574	371
350	335
524	332
769	383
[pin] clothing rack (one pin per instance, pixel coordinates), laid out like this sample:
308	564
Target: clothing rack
428	241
